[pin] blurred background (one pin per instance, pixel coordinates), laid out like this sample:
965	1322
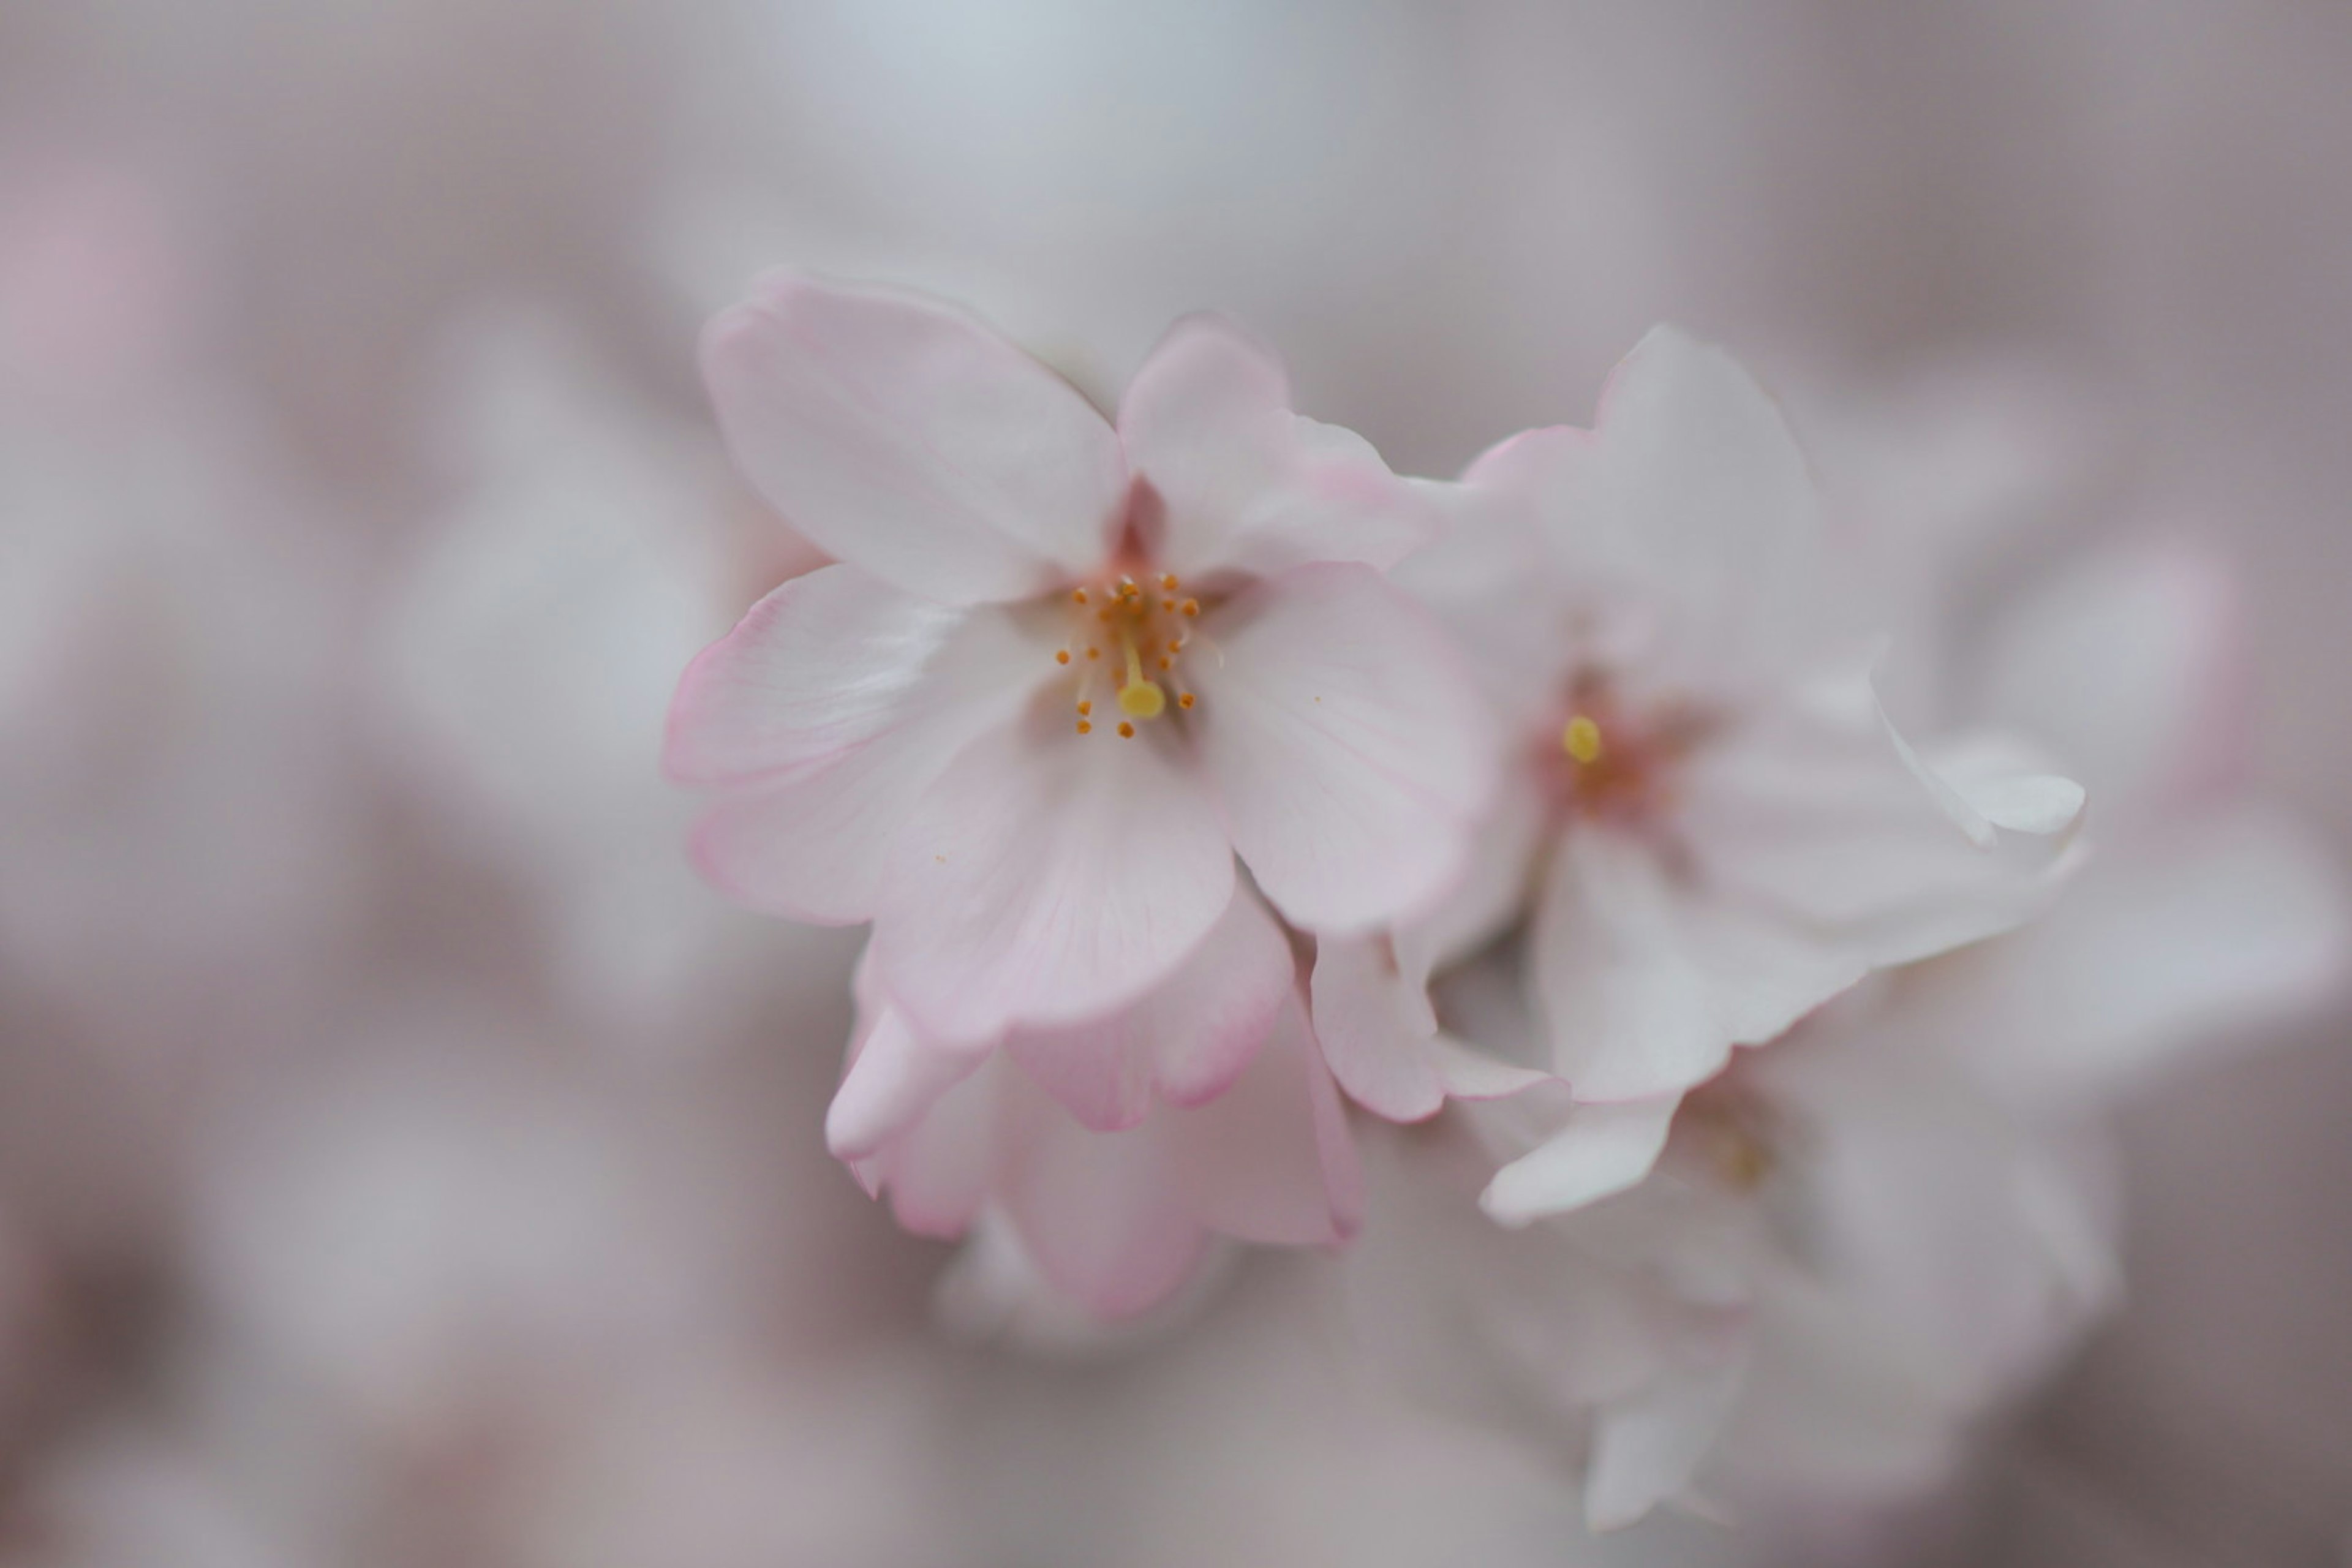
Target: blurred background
404	1160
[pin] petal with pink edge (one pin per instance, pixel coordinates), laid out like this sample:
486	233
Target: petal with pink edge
1185	1041
826	661
901	434
1049	878
1350	753
1244	484
894	1078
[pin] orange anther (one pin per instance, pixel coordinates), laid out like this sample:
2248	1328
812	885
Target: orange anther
1094	653
1085	728
1167	663
1085	707
1183	700
1078	596
1168	581
1062	657
1192	607
1125	729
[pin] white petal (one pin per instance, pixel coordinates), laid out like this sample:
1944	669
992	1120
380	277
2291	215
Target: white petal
1647	982
1817	810
901	434
1696	496
1349	752
1600	1150
1646	1450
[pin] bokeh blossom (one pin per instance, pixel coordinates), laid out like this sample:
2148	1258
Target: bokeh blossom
1711	827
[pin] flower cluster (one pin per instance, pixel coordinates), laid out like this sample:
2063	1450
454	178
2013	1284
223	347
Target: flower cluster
1196	773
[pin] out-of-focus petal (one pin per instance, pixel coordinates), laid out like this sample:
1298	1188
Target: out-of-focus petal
1599	1149
1187	1039
1244	484
902	436
2134	663
1047	878
1350	752
2180	951
1646	1450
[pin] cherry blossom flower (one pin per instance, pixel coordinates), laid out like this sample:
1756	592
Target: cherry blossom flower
1855	1247
1063	673
1203	1109
1712	827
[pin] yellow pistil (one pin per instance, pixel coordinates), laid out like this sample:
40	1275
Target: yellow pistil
1139	698
1581	740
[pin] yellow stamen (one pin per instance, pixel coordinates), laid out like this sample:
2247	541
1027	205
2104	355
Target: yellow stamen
1140	698
1581	740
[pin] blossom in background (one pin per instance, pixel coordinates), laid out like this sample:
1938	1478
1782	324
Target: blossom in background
1061	676
1710	827
1857	1245
523	665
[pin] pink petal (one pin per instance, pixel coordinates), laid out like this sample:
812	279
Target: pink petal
894	1078
1049	878
824	662
813	841
1245	484
1599	1149
1271	1159
1349	752
1376	1028
940	1173
1102	1213
1185	1041
899	435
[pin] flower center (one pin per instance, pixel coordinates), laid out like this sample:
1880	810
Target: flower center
1133	633
1610	759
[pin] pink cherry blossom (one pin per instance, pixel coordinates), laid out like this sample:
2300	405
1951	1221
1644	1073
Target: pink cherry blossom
1712	826
1115	1150
1064	671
